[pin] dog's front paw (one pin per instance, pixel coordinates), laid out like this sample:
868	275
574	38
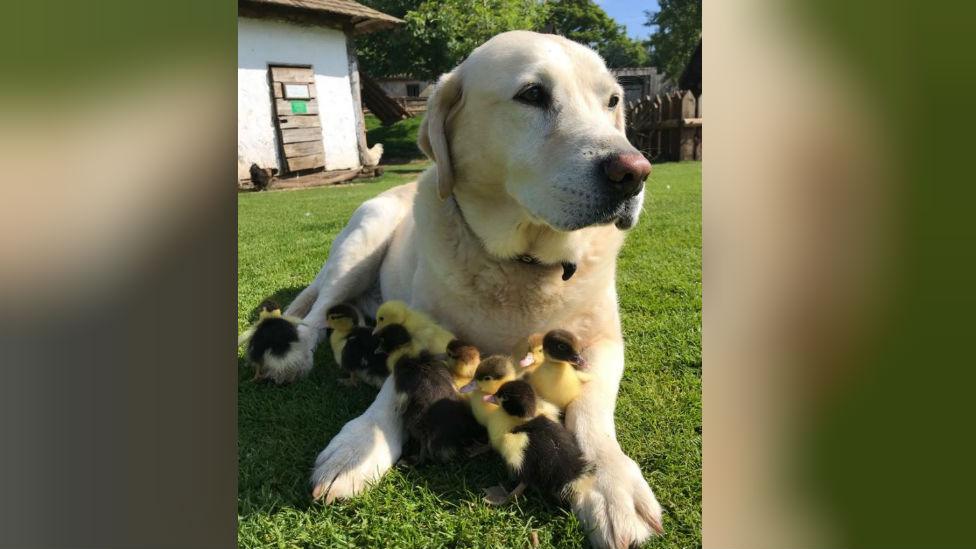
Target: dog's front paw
618	509
358	456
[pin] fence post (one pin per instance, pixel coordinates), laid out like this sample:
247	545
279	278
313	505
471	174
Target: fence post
655	137
698	132
666	147
687	149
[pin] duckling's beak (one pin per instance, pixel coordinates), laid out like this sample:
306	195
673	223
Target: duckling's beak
580	362
490	398
469	387
527	361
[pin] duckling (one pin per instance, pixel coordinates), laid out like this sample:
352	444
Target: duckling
529	354
274	345
434	416
395	341
492	372
361	359
539	451
462	360
340	319
559	379
427	333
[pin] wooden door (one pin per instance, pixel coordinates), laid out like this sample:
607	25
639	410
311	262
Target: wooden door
297	118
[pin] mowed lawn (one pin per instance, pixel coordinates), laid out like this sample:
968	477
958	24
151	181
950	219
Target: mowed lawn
283	238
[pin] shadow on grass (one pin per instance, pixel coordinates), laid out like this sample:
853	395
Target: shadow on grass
282	429
408	170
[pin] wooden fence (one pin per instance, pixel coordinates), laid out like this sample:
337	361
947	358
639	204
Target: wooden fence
413	105
666	126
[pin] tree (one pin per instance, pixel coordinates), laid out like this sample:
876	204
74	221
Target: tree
678	32
439	34
586	22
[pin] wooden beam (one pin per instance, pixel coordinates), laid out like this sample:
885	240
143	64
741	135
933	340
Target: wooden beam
680	122
288	122
357	100
284	108
293	75
306	162
305	148
316	179
299	135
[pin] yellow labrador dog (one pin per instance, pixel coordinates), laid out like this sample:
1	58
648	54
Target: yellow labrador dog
514	230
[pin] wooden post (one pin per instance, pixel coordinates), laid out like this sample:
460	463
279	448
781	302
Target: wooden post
687	134
653	122
698	131
357	100
675	131
665	133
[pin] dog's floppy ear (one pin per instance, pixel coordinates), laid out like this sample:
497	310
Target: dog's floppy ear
432	136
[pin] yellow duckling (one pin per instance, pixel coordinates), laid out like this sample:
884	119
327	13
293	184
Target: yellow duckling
341	319
528	353
426	333
490	375
462	361
559	379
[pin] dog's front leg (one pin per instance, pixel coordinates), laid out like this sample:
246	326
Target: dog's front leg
362	452
618	508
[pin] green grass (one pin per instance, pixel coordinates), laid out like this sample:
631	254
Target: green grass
283	240
399	140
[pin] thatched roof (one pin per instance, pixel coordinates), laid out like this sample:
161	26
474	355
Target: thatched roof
360	19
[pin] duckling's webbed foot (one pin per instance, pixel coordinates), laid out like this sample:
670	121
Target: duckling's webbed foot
477	448
412	456
350	381
496	495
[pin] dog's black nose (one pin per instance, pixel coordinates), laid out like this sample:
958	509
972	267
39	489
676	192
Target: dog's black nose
626	172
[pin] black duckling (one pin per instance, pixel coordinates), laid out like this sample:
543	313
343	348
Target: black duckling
275	346
435	415
540	452
361	359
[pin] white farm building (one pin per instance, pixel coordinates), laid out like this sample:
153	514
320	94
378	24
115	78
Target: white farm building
299	107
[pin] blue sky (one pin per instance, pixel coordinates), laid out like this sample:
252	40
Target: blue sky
631	14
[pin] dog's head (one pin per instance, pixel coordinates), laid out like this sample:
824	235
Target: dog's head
540	118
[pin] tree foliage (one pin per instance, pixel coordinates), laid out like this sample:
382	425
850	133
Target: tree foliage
678	32
586	22
439	34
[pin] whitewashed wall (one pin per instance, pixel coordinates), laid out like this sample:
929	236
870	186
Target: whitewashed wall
261	42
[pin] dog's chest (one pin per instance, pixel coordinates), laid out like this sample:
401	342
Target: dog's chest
495	307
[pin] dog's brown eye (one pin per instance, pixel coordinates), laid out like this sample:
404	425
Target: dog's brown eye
613	101
533	95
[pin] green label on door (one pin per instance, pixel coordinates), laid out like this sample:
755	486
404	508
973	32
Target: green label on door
299	107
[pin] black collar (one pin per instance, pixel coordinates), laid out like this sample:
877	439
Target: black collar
569	268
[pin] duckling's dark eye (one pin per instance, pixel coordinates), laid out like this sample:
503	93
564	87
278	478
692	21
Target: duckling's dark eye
534	95
382	319
614	99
